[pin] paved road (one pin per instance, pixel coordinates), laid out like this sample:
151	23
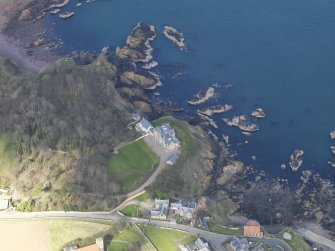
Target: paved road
214	239
316	238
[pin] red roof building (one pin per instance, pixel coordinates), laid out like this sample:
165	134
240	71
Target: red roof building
252	229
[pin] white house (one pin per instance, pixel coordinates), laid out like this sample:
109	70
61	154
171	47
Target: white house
184	208
145	126
160	210
4	202
166	135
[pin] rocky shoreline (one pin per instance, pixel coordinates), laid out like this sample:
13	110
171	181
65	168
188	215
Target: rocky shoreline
231	175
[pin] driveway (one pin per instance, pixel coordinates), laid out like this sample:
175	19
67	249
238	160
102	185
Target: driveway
163	156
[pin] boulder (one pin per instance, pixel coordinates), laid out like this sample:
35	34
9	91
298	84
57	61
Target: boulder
26	15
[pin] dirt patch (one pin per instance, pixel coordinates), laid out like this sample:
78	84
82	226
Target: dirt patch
23	236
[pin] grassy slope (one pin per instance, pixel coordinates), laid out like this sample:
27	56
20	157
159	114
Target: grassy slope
166	239
222	230
297	243
132	165
221	209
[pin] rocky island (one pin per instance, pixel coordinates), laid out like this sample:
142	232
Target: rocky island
66	14
332	134
138	47
202	96
242	123
215	109
175	36
258	113
296	159
332	148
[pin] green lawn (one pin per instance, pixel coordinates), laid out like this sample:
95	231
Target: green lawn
167	239
132	211
61	232
125	239
132	165
223	230
143	197
297	243
9	157
182	131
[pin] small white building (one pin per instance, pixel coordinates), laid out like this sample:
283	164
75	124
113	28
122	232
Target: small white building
4	202
160	210
145	126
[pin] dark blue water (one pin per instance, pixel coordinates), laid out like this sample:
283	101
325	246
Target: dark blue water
276	54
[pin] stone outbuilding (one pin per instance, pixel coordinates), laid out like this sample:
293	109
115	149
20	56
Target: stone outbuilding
252	229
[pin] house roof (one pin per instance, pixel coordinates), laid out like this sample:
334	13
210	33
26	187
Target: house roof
92	247
146	124
173	158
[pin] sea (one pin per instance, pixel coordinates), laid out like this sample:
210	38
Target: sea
276	54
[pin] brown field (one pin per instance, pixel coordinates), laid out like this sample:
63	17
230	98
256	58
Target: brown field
24	236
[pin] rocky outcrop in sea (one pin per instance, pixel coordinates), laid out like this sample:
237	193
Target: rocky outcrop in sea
242	123
296	159
332	148
332	134
175	36
145	80
202	96
207	121
215	109
138	47
258	113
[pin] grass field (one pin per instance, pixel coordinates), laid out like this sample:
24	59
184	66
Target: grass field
223	230
143	197
132	165
297	243
9	158
132	211
166	239
182	131
125	239
65	62
61	232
